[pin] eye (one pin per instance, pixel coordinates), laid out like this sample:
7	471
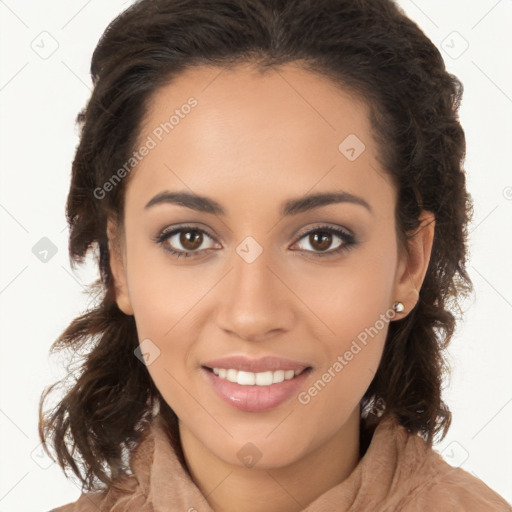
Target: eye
189	237
321	238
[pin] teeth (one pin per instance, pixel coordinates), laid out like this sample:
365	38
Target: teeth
246	378
278	376
258	379
264	378
232	375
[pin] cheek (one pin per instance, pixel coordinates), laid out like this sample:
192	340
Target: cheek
353	303
161	301
352	360
162	293
350	296
163	305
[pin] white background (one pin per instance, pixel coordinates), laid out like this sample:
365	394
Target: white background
39	100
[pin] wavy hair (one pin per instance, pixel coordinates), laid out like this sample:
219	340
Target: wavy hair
366	46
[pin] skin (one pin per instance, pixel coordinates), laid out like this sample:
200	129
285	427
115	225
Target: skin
254	141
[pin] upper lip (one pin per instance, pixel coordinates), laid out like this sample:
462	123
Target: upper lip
263	364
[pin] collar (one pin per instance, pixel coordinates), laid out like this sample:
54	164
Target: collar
160	482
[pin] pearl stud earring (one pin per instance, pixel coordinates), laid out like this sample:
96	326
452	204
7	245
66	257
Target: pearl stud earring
398	307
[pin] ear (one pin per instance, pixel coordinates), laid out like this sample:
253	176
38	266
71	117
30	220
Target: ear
413	263
117	254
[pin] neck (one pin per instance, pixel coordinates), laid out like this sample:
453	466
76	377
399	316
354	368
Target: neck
231	488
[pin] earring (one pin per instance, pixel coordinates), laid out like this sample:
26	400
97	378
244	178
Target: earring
398	307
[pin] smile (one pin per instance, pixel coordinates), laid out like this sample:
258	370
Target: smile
255	379
255	391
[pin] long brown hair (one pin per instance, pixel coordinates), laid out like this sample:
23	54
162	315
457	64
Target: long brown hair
367	46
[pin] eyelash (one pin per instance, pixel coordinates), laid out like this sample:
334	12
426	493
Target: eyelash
348	239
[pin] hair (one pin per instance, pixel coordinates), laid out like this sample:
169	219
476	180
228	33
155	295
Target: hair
368	47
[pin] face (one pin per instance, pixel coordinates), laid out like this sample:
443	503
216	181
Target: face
256	283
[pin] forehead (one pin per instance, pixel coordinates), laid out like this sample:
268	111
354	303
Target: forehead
284	131
245	97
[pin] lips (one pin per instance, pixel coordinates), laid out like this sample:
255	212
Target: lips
255	385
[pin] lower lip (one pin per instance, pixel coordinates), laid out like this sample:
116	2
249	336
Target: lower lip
256	398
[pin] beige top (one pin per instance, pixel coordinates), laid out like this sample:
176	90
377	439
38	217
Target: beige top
398	472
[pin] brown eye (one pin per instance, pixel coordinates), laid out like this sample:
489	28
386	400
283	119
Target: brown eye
191	240
184	241
321	241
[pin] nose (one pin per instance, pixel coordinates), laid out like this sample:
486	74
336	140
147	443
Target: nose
255	302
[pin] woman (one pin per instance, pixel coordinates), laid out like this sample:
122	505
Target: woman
276	196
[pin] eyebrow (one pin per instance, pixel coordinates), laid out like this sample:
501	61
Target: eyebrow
289	207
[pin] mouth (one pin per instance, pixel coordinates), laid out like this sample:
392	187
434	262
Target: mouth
266	378
255	385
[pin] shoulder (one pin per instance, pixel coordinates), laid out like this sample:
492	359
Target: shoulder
452	489
420	480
